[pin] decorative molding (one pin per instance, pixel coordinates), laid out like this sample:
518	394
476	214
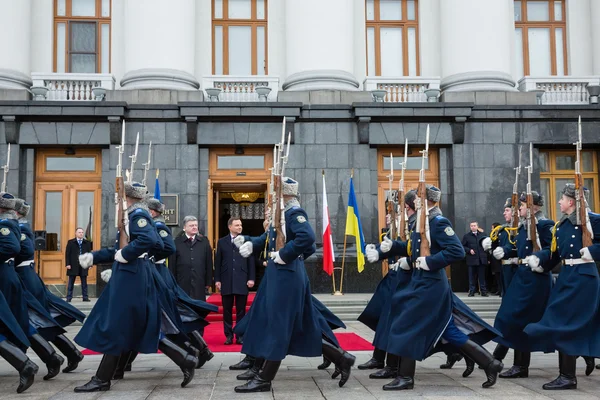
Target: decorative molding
458	130
363	129
191	125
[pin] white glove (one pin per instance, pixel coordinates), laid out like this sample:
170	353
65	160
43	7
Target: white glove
238	241
394	266
486	244
86	260
386	245
534	264
403	263
498	253
106	274
422	263
246	249
586	255
119	257
276	258
372	254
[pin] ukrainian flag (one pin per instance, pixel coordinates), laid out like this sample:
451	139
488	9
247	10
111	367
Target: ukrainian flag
354	228
157	187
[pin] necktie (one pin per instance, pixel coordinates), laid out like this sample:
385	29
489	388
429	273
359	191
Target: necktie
80	250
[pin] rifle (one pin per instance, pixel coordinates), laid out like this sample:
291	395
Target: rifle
421	204
6	168
580	201
391	206
278	213
134	158
514	223
403	228
121	218
531	225
147	164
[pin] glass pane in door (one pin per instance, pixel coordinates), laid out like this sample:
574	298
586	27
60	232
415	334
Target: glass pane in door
53	223
85	217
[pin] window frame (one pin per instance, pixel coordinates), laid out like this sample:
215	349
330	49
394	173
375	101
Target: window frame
552	25
67	19
377	23
253	23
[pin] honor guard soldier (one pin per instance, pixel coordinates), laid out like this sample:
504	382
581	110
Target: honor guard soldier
571	320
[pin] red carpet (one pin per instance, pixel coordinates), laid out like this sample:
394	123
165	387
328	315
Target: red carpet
217	301
214	337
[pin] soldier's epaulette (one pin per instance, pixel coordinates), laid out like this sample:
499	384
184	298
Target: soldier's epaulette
137	210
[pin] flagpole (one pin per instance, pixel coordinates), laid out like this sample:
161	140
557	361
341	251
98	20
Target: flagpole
344	252
333	270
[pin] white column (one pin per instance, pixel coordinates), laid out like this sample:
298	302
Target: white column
42	42
429	37
476	38
319	48
15	44
579	37
159	43
595	38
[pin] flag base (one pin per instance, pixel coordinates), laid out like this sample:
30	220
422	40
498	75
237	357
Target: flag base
338	293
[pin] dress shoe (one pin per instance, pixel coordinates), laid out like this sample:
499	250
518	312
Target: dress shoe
256	384
249	374
86	299
400	383
325	364
485	294
229	341
563	382
94	385
385	373
372	364
26	375
239	340
515	372
68	300
246	363
451	359
471	294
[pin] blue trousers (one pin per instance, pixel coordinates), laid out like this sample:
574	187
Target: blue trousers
71	284
453	335
474	272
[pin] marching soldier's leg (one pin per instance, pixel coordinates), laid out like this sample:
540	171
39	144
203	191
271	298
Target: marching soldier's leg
261	382
67	347
484	359
325	364
500	352
183	359
19	360
567	378
589	365
101	381
391	368
376	362
406	376
343	360
520	368
451	359
124	361
199	343
252	372
246	363
47	354
470	367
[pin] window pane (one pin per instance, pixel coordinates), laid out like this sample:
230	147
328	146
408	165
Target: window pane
218	50
558	11
218	8
261	61
240	162
260	9
390	10
519	52
53	221
370	10
106	8
587	161
70	164
560	58
539	51
565	162
371	51
412	52
538	11
240	50
588	183
240	9
391	52
61	51
83	63
83	37
83	8
105	48
545	192
61	8
518	11
85	207
544	167
413	163
410	6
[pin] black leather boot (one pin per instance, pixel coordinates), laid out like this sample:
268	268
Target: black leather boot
376	362
246	363
252	372
391	368
451	359
484	359
183	359
406	376
132	356
343	360
74	356
205	353
122	364
520	368
567	379
101	381
470	367
589	365
500	352
261	382
19	360
47	354
325	364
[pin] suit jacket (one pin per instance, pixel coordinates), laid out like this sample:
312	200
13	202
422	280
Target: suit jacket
472	242
192	265
231	269
72	256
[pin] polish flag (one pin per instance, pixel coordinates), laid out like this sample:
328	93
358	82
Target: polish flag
328	256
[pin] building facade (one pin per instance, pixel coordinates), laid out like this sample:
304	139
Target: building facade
209	82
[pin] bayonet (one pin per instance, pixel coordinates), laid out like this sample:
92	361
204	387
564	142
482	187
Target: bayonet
6	168
133	158
147	164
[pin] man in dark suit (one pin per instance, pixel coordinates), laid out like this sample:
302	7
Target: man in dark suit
75	247
234	274
476	258
192	262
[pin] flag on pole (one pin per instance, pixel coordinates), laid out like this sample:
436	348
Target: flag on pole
157	187
354	228
328	255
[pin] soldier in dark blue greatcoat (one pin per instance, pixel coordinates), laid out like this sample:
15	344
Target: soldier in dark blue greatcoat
571	320
64	313
528	292
413	333
283	319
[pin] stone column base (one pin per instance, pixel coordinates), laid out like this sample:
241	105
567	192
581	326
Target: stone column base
159	78
478	81
322	79
12	79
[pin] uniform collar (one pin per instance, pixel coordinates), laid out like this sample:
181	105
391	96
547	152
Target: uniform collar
138	205
571	217
10	214
434	212
23	221
159	218
291	203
